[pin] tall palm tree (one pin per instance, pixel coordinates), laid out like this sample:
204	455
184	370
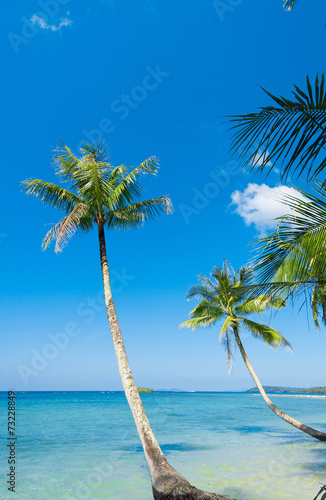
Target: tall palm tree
293	132
221	297
104	196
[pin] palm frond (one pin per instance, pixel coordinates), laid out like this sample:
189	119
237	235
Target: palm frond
260	304
227	326
66	163
281	290
243	276
293	133
228	345
270	336
300	238
205	314
201	291
99	152
315	300
134	216
197	322
88	175
52	234
127	187
70	226
93	182
51	194
67	227
221	283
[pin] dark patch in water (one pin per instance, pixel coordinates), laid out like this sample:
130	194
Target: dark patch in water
168	448
316	468
252	429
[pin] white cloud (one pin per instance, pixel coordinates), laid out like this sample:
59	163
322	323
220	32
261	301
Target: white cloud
43	24
259	204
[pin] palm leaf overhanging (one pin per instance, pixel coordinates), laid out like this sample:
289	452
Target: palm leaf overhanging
300	237
96	193
291	261
289	4
292	133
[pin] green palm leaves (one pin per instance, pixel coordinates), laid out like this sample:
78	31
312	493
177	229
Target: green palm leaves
292	133
222	296
292	260
300	238
97	193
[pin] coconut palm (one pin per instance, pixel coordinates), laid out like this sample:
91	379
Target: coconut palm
100	195
292	133
222	297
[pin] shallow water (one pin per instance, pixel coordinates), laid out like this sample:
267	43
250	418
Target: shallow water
84	445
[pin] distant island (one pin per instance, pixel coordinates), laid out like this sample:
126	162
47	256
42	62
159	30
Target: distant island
144	389
289	390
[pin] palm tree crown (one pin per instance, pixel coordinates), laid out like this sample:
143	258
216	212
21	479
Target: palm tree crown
97	193
222	297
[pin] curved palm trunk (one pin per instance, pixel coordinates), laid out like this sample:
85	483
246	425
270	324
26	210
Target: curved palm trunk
167	483
308	430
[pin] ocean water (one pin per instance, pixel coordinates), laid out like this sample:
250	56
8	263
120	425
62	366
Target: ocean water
85	446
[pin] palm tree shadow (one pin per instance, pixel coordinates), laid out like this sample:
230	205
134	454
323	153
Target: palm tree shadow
317	466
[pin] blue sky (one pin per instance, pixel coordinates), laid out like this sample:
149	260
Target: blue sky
151	78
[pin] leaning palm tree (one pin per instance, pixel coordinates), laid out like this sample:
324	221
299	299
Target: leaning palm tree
291	260
222	297
101	195
292	133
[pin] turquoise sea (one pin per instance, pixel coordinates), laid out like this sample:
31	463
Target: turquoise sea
84	445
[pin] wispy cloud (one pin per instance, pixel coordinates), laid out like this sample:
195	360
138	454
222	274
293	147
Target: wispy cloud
259	158
260	204
45	26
